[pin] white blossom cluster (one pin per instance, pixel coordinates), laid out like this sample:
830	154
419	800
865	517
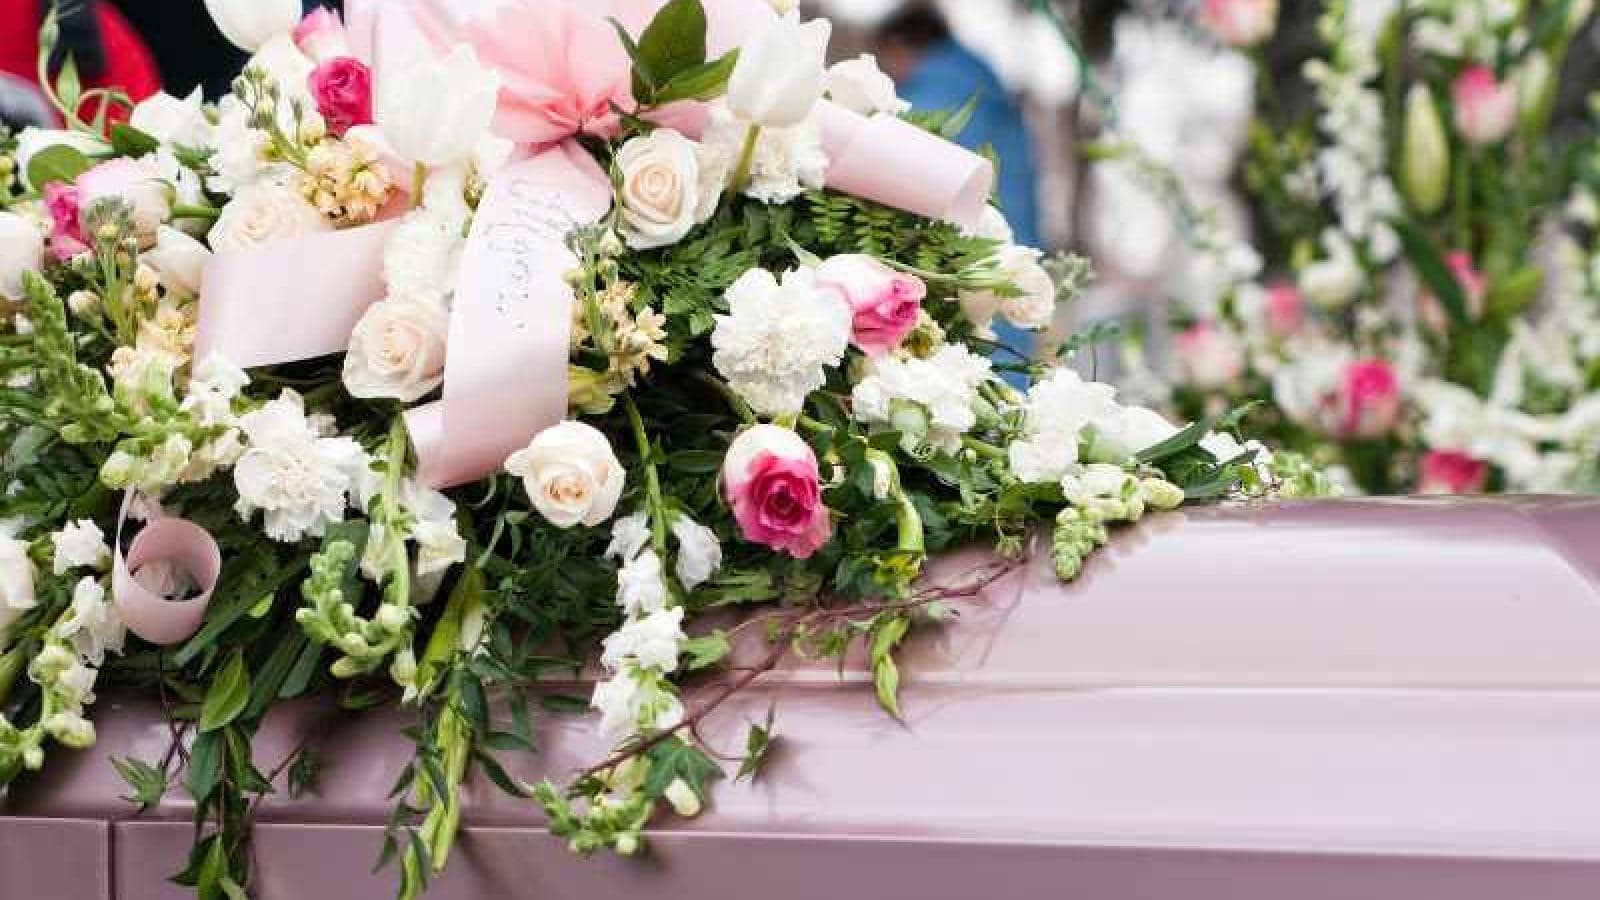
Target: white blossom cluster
1468	29
934	400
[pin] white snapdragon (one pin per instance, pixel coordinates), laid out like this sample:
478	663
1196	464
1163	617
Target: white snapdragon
299	478
629	535
80	545
93	626
943	389
628	704
779	338
16	581
641	585
652	641
699	552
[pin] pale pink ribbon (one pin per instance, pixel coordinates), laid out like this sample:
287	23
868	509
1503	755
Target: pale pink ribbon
156	618
506	372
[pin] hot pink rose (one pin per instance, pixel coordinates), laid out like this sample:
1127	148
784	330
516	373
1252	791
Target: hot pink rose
1209	357
771	479
1451	472
1369	400
1486	108
342	88
887	303
66	230
321	35
1286	309
1240	23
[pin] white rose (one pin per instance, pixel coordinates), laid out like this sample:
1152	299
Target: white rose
33	140
779	76
435	110
664	195
80	544
1035	308
262	212
173	121
16	581
21	250
179	259
397	351
571	474
859	85
251	23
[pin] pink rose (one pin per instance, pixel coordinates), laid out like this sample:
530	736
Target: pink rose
1486	109
1474	284
1369	400
1286	309
770	478
321	35
1209	357
887	303
342	88
1240	23
1452	472
66	230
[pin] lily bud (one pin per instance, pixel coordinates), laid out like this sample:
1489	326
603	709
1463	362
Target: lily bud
251	23
1425	168
1536	91
780	74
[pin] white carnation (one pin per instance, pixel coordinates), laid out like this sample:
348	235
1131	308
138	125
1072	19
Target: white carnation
699	552
945	386
80	544
641	585
93	625
787	161
653	642
629	535
301	480
1059	409
776	343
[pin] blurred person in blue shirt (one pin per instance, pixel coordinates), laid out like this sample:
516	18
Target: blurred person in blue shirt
934	71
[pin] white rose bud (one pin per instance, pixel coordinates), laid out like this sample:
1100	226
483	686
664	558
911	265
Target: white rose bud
435	110
779	76
251	23
179	259
264	212
665	193
21	250
859	85
397	351
571	474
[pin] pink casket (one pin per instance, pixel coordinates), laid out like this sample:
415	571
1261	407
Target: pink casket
1351	701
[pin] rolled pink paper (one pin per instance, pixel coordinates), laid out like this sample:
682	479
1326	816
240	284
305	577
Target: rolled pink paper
152	616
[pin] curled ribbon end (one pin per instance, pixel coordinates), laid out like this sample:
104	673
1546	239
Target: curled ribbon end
149	614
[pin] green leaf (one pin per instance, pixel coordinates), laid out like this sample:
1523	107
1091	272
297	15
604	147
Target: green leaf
958	120
673	759
205	767
886	679
757	745
130	141
58	163
1431	267
695	462
228	695
149	783
672	44
702	82
705	652
644	81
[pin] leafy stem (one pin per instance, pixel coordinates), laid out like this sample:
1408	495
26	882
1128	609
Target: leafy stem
652	478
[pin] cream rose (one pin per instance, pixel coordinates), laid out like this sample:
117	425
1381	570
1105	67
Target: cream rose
262	212
665	193
572	475
397	351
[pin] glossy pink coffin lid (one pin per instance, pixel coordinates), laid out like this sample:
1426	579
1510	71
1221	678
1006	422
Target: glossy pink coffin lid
1342	701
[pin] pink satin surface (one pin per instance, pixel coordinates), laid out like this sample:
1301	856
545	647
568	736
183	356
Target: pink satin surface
151	615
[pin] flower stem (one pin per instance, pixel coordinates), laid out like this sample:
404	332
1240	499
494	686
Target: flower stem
196	212
747	160
11	666
652	479
419	180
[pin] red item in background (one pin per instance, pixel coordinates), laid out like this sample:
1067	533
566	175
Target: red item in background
129	64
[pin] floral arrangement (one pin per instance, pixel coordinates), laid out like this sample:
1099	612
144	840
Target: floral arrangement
422	382
1430	316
